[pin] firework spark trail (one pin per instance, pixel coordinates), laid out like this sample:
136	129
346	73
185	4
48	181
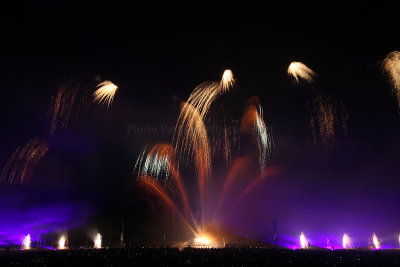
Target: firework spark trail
298	69
66	102
152	183
252	119
197	108
325	113
21	165
159	163
104	94
391	68
60	108
195	140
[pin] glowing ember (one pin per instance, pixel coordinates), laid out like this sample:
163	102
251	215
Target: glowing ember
347	241
26	244
376	242
61	242
303	241
298	69
97	241
105	93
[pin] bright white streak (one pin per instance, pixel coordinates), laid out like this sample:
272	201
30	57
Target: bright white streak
61	242
376	242
346	240
303	240
97	241
26	244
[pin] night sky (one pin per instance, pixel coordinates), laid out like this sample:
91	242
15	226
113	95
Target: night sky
157	53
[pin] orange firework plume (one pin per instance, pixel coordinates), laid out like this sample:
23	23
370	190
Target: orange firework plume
21	165
197	108
252	120
159	166
391	67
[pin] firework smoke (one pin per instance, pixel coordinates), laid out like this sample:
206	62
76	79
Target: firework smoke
21	165
298	69
104	94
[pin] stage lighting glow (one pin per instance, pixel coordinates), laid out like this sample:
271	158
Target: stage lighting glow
97	241
26	243
61	242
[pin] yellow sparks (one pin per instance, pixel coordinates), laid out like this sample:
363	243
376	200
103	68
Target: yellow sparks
105	92
391	67
298	69
227	80
23	161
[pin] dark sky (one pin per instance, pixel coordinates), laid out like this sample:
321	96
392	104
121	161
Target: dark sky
157	53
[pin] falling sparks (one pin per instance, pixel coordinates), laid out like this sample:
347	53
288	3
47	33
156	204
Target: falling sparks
227	80
21	165
325	114
303	241
97	241
69	99
346	240
26	243
61	242
298	69
391	68
105	92
252	119
376	242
